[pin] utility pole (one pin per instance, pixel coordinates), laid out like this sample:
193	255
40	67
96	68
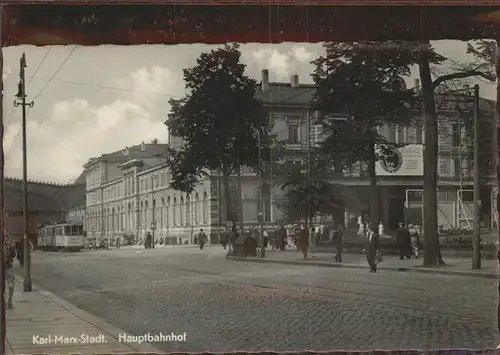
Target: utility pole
261	197
309	173
2	202
21	101
476	257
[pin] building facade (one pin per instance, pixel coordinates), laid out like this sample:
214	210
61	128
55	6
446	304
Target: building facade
128	192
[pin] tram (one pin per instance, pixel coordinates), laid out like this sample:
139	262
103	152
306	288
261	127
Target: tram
61	236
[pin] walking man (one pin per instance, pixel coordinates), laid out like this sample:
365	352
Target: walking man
312	242
282	238
372	248
338	241
304	241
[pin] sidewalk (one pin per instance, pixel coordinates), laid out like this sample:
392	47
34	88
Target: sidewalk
454	266
39	317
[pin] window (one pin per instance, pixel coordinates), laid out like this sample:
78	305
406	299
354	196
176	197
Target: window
146	185
293	134
157	183
141	185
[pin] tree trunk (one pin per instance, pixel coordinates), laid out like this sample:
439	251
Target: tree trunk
227	198
430	222
240	199
497	143
374	198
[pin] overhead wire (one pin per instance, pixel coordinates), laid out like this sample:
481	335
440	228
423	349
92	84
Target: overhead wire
41	91
31	78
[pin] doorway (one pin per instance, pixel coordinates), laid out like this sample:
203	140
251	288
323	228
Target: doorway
396	211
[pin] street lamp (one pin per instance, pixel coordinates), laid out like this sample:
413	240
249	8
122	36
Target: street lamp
153	228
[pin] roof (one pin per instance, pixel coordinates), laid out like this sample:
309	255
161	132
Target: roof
43	196
134	152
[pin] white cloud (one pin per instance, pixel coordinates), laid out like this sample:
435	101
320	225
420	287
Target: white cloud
6	72
76	130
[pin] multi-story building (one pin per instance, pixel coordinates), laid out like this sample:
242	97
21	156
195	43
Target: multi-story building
128	191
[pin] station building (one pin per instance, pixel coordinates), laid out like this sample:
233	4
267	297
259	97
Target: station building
128	192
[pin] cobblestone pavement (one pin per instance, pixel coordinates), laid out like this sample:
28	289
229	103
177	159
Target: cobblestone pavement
227	306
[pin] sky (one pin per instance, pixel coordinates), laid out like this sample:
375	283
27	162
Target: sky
94	100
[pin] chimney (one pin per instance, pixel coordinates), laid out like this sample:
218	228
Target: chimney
294	81
154	141
143	147
265	80
126	152
417	84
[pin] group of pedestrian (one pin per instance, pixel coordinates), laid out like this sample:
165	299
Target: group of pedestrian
408	241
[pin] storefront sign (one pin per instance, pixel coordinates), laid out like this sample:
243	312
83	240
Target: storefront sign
405	161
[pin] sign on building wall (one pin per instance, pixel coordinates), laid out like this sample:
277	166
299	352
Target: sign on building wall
405	161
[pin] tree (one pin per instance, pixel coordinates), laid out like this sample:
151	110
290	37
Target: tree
362	81
217	121
309	191
427	57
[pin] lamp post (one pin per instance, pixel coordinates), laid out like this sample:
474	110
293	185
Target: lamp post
21	101
153	228
476	236
261	196
476	257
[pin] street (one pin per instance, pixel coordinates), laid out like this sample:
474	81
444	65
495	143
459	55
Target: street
225	305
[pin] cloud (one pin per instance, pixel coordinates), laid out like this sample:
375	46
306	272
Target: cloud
76	130
282	62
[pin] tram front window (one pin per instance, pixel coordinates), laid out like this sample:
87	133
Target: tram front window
68	230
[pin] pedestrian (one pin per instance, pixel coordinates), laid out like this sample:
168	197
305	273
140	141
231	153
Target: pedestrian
415	240
10	279
338	241
381	229
303	241
403	240
202	239
312	243
372	248
19	248
281	238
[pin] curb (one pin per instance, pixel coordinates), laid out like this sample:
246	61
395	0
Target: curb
93	320
363	267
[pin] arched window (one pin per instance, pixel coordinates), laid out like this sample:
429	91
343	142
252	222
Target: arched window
113	219
174	212
182	211
154	214
168	214
205	208
162	212
188	210
146	215
129	216
141	218
196	208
